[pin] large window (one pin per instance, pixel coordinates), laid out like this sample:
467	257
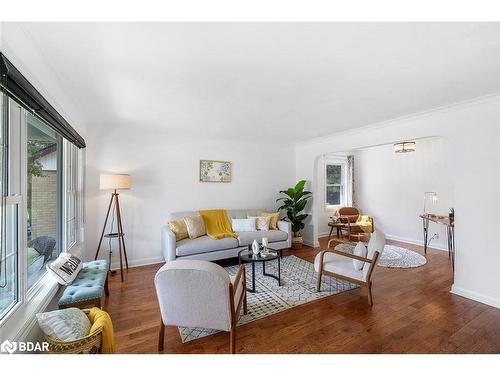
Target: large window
43	198
40	188
334	185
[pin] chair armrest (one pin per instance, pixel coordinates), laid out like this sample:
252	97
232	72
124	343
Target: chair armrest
168	243
352	256
286	227
239	275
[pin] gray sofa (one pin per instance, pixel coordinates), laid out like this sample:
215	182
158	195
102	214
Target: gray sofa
204	248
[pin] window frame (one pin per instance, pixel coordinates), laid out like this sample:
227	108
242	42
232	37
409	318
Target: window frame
343	166
19	319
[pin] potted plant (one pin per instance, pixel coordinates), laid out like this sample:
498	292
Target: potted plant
294	204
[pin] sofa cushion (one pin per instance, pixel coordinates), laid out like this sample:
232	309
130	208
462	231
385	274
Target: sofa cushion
204	244
246	238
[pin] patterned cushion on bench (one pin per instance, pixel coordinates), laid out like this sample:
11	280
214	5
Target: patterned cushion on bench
88	285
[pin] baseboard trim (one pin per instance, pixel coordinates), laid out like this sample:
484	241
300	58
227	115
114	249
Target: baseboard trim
414	242
139	262
401	239
487	300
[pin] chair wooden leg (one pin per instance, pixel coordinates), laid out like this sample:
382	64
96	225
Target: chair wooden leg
161	336
232	340
331	230
245	304
318	283
370	298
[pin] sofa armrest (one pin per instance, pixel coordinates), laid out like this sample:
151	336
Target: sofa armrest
286	226
168	243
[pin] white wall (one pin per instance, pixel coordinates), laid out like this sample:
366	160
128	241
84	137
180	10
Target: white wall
165	178
390	187
472	129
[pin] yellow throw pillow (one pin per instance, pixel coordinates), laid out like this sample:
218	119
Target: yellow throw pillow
195	226
273	224
179	228
261	222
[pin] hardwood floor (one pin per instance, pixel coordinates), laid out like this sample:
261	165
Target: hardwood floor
413	312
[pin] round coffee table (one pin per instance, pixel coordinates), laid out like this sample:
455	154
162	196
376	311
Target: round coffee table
247	256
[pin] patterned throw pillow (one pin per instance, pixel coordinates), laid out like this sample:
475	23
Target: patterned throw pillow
273	224
65	268
262	222
179	228
195	226
65	325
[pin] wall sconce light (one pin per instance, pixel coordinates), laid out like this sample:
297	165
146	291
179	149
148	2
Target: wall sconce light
403	147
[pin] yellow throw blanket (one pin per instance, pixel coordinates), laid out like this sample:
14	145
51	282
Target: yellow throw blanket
100	318
365	223
217	224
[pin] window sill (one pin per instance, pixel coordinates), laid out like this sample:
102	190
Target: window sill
21	320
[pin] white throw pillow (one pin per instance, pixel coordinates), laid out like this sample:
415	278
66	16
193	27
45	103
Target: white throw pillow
65	268
262	222
195	226
65	325
243	225
360	251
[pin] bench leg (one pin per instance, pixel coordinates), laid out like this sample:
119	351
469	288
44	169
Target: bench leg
106	290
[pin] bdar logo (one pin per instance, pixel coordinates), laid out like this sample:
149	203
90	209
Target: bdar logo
8	347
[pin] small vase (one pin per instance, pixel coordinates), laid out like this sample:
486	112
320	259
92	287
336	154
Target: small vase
255	247
265	242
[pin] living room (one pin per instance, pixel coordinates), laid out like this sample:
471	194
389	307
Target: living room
250	187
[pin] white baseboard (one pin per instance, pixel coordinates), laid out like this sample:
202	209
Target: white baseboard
415	242
401	239
138	262
487	300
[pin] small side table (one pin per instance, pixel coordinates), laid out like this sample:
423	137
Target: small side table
247	256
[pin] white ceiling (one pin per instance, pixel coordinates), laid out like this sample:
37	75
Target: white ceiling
288	81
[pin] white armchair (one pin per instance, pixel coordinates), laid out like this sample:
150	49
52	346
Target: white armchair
340	265
197	293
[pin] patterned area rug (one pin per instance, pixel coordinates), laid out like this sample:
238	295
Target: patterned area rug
298	286
392	256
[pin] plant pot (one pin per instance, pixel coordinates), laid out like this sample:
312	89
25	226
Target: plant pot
297	243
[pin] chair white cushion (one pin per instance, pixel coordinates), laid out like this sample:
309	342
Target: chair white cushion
194	293
360	251
243	225
338	264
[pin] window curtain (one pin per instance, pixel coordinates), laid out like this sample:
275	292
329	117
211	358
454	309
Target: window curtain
350	181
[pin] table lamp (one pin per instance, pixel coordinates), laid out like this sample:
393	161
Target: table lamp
114	182
433	194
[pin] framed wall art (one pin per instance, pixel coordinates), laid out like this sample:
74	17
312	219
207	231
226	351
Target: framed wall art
215	171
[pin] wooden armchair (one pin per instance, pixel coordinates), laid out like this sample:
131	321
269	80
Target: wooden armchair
349	221
196	293
340	265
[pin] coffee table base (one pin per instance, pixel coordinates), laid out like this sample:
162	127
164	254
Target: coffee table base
264	273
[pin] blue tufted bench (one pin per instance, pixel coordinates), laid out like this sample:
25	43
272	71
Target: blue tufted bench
88	287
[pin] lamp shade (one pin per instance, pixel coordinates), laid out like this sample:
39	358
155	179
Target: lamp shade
115	181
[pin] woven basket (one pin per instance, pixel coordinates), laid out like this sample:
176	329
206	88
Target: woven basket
90	344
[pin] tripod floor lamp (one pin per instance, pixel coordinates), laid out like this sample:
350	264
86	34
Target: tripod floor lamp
114	182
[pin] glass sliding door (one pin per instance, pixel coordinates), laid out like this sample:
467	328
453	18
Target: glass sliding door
43	148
